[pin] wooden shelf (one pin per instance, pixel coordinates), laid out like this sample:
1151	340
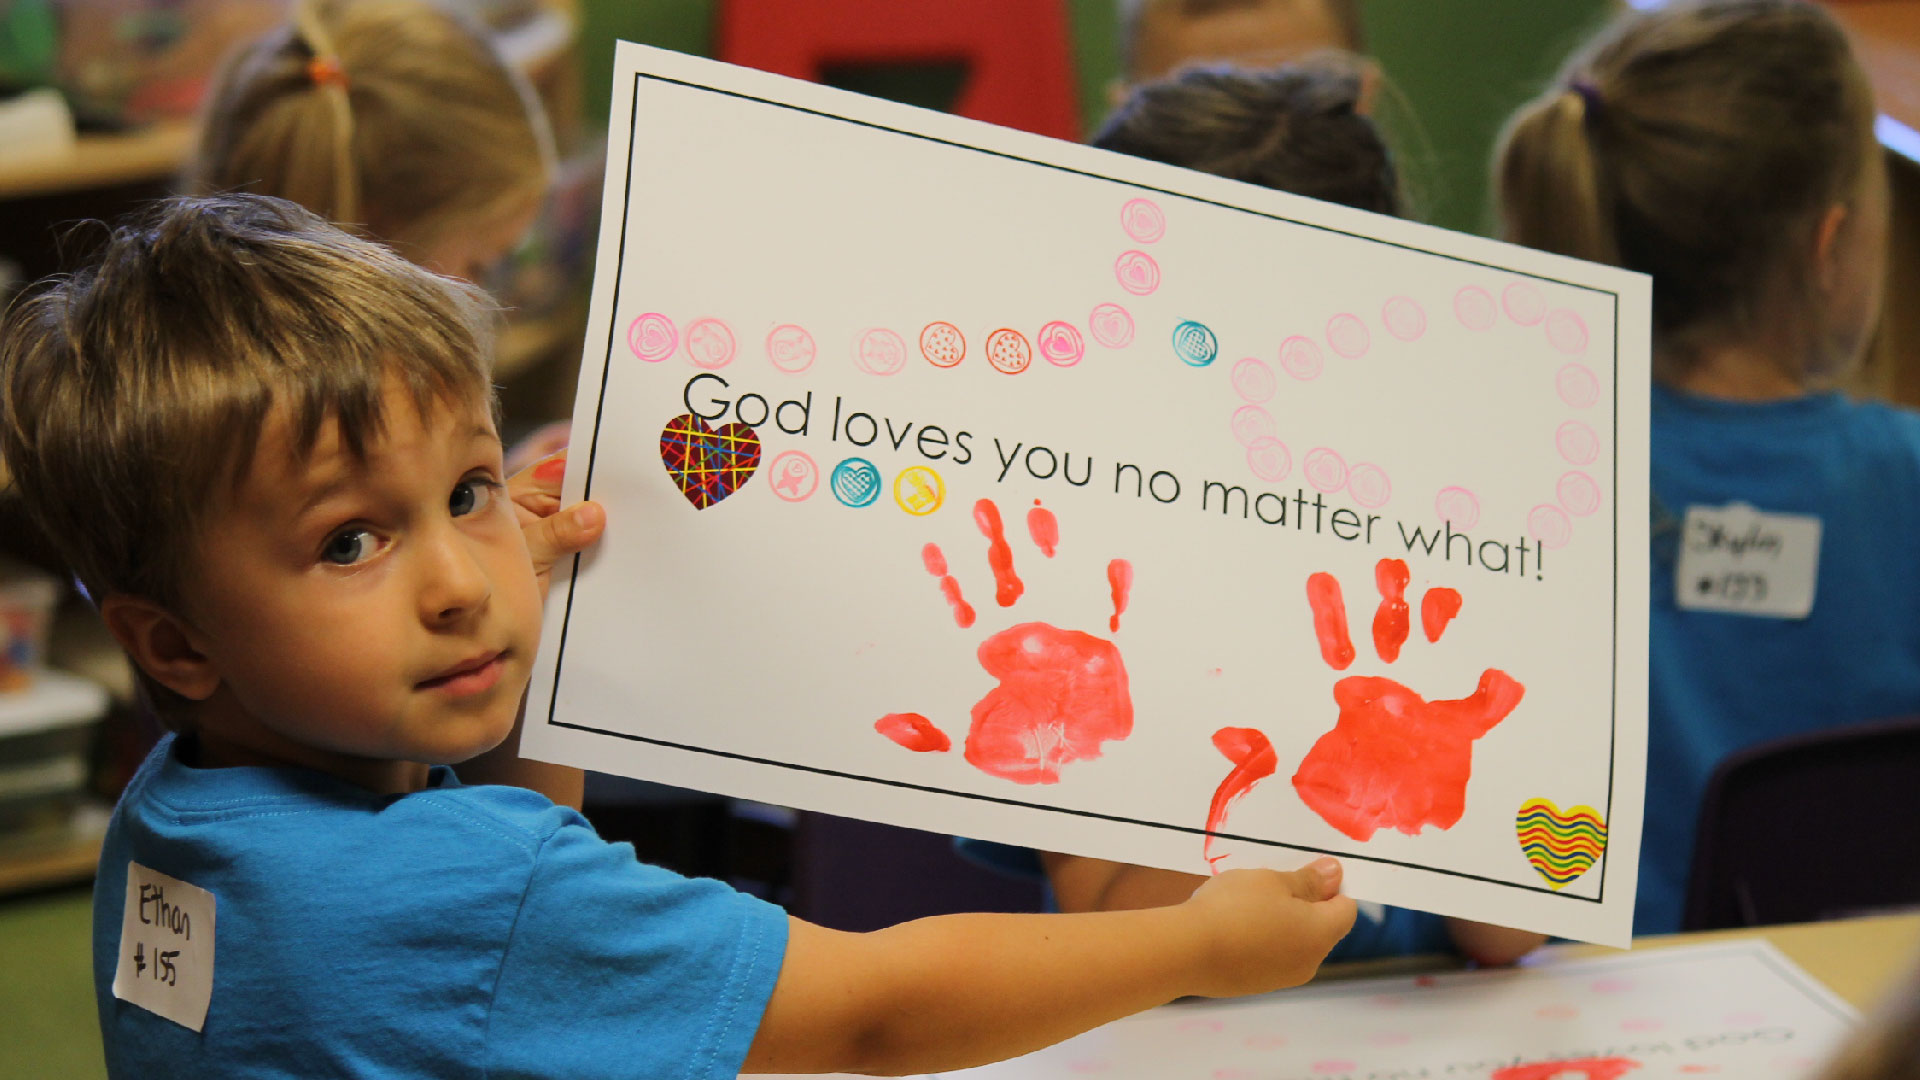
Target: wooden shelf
97	161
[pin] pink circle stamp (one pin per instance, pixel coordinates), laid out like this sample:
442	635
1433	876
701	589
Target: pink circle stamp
1523	302
1457	507
1060	343
1300	358
1577	386
1577	443
1390	1038
1549	525
1252	422
1474	307
1143	220
1137	271
1567	332
1265	1041
943	344
1556	1012
880	352
1348	336
790	348
1578	494
652	337
1369	485
1611	985
1253	381
1641	1023
1008	351
1111	326
710	344
1268	458
1335	1065
793	476
1325	469
1405	318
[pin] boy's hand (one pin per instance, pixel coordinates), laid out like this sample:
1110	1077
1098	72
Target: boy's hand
552	534
1268	929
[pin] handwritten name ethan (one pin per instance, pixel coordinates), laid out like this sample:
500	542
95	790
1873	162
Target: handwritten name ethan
170	917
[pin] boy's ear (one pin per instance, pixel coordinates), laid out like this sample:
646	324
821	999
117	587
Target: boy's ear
161	644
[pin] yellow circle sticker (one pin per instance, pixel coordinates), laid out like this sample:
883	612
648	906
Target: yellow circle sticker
919	490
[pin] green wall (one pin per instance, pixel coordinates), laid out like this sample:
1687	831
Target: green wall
1459	67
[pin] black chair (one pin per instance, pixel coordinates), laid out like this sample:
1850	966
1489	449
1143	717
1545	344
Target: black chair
860	875
1813	827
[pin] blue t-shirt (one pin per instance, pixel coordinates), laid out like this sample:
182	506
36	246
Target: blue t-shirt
455	931
1721	682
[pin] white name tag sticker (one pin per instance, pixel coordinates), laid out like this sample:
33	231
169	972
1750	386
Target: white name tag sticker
166	947
1745	562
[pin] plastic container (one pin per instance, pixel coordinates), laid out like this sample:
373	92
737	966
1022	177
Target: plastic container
27	600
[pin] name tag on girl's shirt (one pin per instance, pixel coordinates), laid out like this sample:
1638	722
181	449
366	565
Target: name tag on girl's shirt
1742	561
166	947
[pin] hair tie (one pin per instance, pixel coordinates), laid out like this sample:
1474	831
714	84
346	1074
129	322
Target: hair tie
326	71
1590	94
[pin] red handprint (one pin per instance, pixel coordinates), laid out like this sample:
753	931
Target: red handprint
1394	759
1062	693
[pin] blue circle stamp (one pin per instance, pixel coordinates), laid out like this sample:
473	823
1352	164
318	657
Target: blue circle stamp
1194	344
855	482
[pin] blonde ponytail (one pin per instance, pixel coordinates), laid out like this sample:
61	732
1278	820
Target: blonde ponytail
1547	184
328	76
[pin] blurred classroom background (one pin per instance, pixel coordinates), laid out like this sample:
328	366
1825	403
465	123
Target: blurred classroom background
97	99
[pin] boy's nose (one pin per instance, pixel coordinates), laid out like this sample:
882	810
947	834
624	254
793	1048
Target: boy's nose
454	584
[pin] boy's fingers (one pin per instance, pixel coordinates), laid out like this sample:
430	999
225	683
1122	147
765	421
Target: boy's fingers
553	538
1318	880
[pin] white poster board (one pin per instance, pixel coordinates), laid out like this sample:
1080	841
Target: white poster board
979	482
1734	1010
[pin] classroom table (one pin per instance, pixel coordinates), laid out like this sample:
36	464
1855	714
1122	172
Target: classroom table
47	1025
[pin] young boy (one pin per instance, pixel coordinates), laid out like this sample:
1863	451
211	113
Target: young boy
268	448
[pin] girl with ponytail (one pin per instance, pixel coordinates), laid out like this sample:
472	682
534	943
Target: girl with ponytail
1726	149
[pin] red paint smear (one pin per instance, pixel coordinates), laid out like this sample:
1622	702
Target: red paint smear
554	468
1007	586
1330	620
1120	584
1390	621
1437	609
1062	694
1395	760
913	731
1044	528
1591	1068
1253	761
936	563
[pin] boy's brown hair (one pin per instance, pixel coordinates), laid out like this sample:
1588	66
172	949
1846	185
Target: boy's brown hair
133	392
1699	143
398	115
1297	127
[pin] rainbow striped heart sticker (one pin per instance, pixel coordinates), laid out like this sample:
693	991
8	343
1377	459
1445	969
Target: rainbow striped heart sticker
1561	845
708	464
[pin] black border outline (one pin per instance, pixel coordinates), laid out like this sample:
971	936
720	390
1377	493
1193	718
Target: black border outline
600	406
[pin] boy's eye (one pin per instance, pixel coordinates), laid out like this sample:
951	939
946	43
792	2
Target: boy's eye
471	497
348	546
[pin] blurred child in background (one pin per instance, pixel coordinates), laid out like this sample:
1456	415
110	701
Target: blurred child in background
1726	148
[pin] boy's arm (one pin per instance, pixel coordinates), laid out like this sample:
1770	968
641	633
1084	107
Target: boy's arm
551	536
962	990
1083	884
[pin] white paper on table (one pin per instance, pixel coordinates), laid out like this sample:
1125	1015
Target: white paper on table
1732	1010
813	262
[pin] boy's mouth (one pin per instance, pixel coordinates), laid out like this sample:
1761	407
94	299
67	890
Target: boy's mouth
470	676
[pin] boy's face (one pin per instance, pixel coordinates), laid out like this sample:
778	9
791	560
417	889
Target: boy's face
381	610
